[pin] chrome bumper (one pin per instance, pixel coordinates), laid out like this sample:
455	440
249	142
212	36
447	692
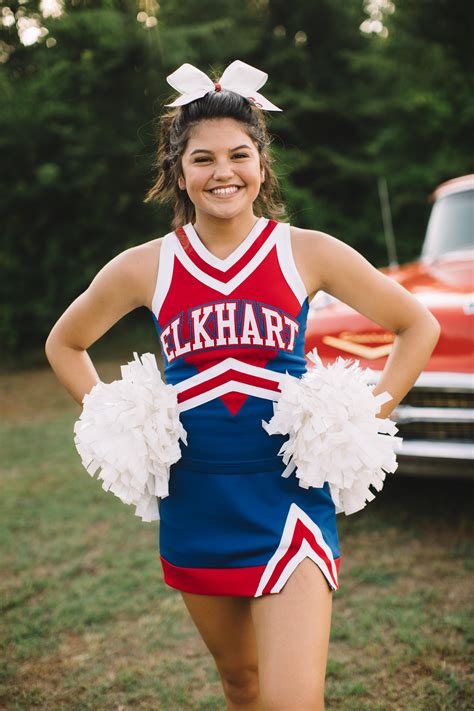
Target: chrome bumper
454	459
448	449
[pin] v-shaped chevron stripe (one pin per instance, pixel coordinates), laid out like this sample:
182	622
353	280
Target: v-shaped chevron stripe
225	283
230	375
301	537
223	269
234	256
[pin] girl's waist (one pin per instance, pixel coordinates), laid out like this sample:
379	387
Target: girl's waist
225	466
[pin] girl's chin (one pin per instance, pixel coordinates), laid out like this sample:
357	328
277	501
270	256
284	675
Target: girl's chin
228	212
223	206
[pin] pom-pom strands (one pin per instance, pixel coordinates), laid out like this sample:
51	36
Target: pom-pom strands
334	433
130	429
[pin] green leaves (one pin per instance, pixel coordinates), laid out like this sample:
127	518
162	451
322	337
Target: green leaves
77	139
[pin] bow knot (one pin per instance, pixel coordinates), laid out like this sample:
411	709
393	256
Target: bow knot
239	77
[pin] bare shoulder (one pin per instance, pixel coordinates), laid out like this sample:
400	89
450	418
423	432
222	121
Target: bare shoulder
307	241
140	263
123	284
311	248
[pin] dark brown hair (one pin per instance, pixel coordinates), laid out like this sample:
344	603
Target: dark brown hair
174	130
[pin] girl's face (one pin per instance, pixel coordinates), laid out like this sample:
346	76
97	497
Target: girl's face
221	169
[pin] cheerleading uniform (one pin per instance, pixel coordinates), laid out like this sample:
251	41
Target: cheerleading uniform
229	329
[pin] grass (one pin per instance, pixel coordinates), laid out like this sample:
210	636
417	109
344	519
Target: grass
89	624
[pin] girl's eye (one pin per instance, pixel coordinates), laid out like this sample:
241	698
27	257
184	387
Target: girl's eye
236	155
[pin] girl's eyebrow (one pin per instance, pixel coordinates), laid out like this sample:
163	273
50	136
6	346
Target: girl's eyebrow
204	150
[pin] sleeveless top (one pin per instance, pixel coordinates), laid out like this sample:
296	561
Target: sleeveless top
228	329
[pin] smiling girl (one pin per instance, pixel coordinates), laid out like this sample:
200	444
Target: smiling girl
254	555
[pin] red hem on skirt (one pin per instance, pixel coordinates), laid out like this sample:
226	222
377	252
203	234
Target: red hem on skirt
220	581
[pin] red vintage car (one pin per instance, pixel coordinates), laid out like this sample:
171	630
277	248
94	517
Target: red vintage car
435	419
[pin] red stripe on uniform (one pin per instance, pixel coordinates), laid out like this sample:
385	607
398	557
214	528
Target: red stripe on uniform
300	532
224	378
213	581
216	581
226	276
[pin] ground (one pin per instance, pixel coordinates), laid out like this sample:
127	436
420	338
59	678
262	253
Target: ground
89	624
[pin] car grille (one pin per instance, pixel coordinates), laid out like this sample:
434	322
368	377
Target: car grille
439	431
421	397
435	415
436	422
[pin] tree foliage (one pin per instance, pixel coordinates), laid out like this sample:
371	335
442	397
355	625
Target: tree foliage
77	126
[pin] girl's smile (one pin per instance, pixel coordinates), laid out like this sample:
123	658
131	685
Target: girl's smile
225	192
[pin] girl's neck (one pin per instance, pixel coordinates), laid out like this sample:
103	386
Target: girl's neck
221	236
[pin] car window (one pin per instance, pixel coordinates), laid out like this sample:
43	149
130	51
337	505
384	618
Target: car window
451	225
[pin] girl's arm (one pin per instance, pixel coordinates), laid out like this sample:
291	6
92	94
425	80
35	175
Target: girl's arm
118	288
328	264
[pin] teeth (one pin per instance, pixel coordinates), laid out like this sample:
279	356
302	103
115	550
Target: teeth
224	191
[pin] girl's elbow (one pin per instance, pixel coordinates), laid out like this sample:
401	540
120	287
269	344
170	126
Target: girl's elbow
51	345
423	322
48	348
436	325
431	323
433	330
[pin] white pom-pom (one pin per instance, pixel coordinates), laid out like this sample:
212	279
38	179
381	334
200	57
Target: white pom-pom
130	430
334	433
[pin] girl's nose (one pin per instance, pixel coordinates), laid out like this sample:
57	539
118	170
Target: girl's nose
222	170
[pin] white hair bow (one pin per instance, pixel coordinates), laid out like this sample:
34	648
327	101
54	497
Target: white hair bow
239	77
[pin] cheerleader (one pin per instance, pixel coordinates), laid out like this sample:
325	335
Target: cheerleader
252	547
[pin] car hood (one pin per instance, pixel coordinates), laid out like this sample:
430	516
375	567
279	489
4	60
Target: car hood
448	274
443	285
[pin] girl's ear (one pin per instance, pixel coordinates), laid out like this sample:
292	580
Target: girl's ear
181	183
262	174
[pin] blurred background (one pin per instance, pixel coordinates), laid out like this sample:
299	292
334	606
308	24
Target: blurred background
370	89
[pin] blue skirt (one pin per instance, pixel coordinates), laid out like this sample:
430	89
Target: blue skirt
242	528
